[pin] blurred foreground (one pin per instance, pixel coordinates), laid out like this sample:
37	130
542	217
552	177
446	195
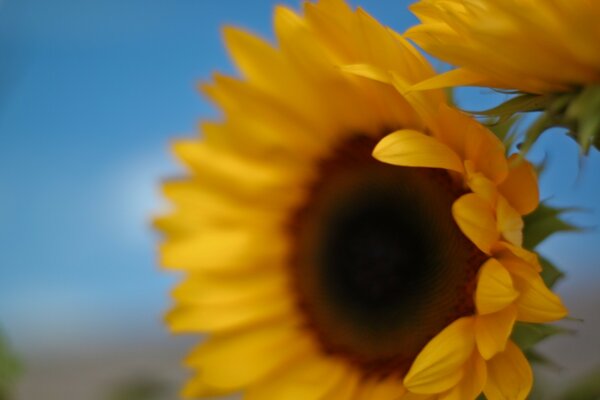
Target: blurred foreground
150	369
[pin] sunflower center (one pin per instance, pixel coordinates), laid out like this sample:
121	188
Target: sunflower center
380	265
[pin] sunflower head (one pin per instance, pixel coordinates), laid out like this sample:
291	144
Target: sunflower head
545	49
531	46
342	237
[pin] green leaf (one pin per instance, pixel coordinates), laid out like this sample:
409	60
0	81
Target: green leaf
526	336
10	370
585	388
538	358
542	223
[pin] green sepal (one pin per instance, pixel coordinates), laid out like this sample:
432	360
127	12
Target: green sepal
576	110
535	357
550	272
521	103
534	131
543	222
504	130
527	335
583	117
550	117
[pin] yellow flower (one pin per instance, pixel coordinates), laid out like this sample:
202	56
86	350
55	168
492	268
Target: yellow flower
547	49
535	46
318	271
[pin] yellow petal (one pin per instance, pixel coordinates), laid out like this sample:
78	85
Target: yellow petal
506	251
424	103
229	171
414	149
347	388
335	24
438	366
520	187
185	219
360	46
201	288
486	151
265	68
224	250
471	385
236	360
256	58
217	209
256	139
495	288
510	223
386	50
480	184
509	375
367	71
228	316
298	43
264	114
304	44
314	378
536	302
415	396
493	330
455	77
390	388
196	388
472	142
217	303
475	218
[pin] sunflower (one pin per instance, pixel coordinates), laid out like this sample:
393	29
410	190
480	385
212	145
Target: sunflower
533	46
342	239
546	49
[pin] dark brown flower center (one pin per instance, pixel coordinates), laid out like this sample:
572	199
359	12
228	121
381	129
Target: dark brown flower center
380	265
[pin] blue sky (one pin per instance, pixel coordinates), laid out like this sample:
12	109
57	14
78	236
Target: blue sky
91	94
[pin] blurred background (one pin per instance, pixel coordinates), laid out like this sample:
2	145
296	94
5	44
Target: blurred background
92	92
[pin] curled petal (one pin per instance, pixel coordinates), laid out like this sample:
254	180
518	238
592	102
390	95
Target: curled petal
410	148
509	375
471	385
438	367
493	330
475	218
481	185
495	289
507	252
510	223
520	187
536	302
